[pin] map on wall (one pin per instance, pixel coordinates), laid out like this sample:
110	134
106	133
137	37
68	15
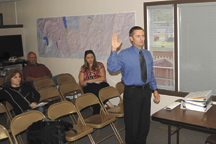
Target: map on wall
70	36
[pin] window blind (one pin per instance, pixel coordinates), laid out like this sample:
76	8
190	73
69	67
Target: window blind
197	47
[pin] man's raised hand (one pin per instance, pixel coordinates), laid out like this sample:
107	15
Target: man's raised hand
115	43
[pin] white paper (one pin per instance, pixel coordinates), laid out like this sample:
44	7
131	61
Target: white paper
93	82
172	105
41	104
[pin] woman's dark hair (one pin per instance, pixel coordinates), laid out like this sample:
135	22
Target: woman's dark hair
11	73
86	64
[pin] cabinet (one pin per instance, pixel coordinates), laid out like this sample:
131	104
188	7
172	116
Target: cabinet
6	65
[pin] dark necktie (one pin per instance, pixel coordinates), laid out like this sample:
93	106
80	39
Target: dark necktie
143	67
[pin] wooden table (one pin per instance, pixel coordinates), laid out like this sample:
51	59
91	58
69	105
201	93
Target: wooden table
187	118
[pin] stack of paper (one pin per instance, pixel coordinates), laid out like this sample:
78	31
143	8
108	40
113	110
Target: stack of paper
172	105
198	101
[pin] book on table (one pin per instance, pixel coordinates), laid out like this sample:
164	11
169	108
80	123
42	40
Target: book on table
196	107
198	96
198	101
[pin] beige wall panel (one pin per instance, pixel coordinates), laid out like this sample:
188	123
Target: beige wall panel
9	12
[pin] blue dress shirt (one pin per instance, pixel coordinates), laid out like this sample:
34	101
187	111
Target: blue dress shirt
128	62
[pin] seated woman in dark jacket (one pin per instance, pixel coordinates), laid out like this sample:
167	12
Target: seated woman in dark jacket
92	77
22	97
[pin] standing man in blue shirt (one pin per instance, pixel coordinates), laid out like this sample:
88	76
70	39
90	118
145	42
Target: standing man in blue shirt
137	93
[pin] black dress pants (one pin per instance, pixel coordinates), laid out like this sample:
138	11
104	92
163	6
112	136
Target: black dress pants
137	104
95	88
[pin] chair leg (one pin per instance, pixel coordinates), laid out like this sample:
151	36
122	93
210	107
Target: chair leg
122	129
91	139
20	139
116	133
91	109
98	133
8	119
116	122
73	119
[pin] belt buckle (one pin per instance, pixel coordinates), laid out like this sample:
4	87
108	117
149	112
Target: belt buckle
143	86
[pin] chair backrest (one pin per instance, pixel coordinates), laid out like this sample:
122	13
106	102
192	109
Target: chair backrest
22	121
4	133
109	92
59	109
49	92
10	109
62	78
86	100
70	88
44	82
120	87
4	110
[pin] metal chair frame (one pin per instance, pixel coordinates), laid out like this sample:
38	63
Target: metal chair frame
22	121
97	121
64	108
5	134
66	77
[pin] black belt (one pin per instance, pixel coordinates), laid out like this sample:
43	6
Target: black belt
135	86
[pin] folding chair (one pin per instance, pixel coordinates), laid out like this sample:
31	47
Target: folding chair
64	108
44	82
22	121
120	87
62	78
10	109
47	89
4	134
109	93
4	111
70	89
49	94
12	114
96	121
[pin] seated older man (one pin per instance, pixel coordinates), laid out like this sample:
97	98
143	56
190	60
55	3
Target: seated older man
35	70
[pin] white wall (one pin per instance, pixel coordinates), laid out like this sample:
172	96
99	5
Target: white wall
9	12
29	10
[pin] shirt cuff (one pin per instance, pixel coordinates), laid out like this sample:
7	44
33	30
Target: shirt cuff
113	52
154	90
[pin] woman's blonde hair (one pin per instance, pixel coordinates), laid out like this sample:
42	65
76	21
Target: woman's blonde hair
11	73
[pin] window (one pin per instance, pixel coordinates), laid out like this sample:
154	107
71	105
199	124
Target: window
161	44
197	64
180	36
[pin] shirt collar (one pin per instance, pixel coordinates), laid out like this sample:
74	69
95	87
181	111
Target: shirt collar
32	64
136	50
